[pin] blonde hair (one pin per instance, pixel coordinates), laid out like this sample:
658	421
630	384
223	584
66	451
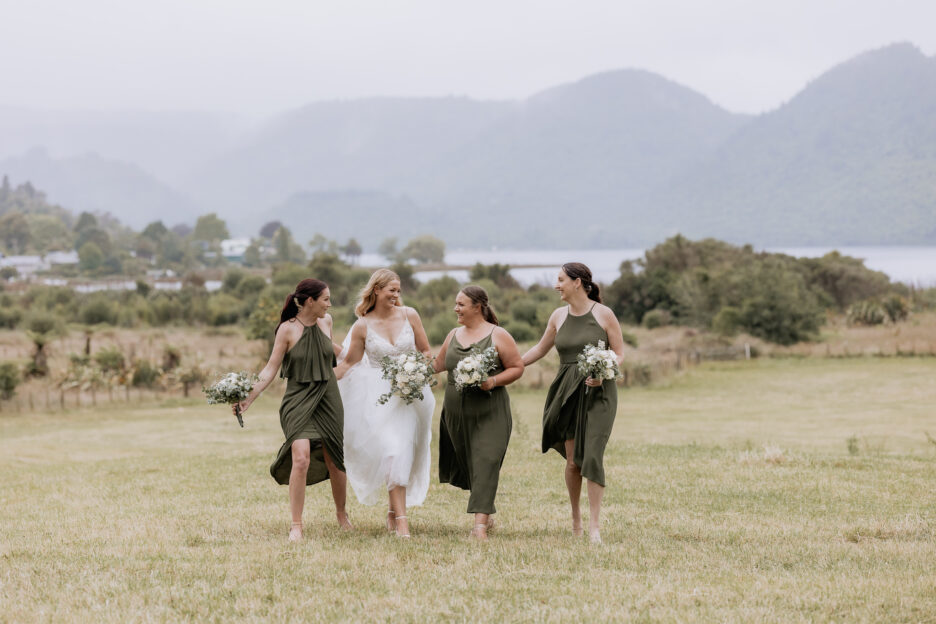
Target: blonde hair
367	298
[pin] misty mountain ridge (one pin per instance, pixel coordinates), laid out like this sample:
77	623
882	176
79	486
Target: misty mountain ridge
616	159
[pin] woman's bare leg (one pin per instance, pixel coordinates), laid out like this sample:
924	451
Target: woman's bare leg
573	479
297	484
339	487
595	494
479	532
398	505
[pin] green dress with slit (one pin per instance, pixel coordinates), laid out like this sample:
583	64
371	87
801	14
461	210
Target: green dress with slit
573	410
311	407
473	433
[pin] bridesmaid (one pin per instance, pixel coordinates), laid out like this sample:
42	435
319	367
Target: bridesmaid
579	412
311	413
475	425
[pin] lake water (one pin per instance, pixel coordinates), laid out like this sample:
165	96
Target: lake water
911	265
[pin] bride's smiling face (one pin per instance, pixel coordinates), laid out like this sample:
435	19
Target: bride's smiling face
389	294
465	308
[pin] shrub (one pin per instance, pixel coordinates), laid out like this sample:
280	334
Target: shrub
145	374
896	307
520	330
866	313
727	321
9	379
657	318
10	317
110	360
98	309
629	338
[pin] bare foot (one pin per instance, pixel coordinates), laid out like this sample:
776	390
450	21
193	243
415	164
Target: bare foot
343	521
295	532
577	528
391	521
594	536
479	532
402	527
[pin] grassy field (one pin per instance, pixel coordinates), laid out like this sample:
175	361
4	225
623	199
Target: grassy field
771	490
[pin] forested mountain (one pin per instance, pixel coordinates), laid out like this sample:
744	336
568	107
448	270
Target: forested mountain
850	160
616	159
90	183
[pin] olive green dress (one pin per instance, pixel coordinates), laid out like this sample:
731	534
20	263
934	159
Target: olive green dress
473	433
311	407
573	410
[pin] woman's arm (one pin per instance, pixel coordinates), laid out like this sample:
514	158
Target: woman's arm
612	327
280	345
546	342
422	341
510	358
438	365
355	348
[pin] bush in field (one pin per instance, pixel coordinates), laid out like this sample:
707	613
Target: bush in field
497	273
145	374
9	316
224	309
727	321
866	313
657	318
520	330
110	360
99	309
629	338
896	307
9	379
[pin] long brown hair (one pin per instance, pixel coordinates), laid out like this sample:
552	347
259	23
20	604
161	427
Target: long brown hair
305	290
479	295
577	270
367	298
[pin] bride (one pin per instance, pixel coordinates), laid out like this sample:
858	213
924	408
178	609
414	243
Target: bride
386	446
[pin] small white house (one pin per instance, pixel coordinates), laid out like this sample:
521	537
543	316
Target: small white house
233	249
62	258
25	265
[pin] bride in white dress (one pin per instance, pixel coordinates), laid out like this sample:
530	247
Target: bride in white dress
386	447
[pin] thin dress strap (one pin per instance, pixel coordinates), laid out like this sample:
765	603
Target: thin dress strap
296	318
593	306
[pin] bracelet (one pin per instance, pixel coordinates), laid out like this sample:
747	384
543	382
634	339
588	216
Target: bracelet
495	381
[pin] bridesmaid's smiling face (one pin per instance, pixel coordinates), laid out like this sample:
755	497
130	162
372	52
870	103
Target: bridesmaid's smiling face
389	294
465	308
319	307
565	285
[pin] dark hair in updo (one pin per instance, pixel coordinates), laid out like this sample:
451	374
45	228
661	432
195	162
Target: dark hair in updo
305	290
577	270
479	295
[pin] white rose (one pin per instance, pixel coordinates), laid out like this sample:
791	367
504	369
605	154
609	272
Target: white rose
405	391
409	367
469	364
475	377
401	378
420	378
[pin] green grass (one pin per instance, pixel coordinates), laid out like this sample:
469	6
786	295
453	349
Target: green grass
783	490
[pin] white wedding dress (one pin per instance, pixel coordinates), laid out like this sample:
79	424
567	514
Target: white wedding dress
384	445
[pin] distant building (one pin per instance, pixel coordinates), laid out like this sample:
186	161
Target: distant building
25	265
62	258
233	249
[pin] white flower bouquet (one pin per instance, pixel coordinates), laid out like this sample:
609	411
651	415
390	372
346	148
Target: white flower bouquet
598	362
231	389
472	370
408	374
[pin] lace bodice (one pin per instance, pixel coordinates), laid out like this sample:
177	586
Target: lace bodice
376	346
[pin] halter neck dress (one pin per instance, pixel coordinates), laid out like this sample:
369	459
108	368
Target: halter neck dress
311	407
474	430
574	411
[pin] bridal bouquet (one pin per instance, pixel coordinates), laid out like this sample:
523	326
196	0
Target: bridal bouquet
598	363
472	370
408	374
231	389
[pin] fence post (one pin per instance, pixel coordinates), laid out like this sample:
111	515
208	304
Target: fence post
747	351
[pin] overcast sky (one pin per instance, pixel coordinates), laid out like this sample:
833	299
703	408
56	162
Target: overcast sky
264	57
